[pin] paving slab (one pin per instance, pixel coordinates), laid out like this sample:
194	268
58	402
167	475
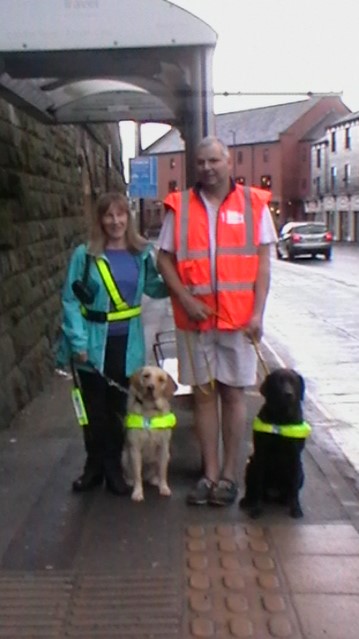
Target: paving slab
328	616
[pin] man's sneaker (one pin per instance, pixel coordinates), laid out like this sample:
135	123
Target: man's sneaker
224	493
200	494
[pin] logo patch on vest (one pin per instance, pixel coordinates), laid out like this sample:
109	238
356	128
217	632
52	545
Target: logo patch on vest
234	217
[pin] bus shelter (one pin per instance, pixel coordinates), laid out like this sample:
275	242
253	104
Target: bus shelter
96	61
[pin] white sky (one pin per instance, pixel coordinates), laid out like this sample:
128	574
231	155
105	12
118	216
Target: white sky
277	45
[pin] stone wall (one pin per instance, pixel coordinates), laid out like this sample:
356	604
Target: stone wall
49	179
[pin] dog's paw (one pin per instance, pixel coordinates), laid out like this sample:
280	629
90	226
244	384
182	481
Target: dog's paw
254	509
137	495
165	490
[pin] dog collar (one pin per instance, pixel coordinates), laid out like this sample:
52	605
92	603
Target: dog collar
133	420
299	431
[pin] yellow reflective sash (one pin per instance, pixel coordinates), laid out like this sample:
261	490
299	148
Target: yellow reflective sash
299	431
133	420
122	310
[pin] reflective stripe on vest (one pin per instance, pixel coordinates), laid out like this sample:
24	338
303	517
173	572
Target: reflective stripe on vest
184	253
299	431
122	310
133	420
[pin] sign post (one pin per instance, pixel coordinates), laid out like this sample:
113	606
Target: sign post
143	181
143	177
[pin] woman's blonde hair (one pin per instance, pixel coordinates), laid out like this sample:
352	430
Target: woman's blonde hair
97	243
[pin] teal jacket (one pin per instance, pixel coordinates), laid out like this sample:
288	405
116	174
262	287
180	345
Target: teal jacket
78	334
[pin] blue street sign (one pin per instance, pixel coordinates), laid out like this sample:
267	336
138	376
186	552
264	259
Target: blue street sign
143	177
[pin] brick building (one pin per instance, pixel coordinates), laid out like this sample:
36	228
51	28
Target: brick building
270	148
335	178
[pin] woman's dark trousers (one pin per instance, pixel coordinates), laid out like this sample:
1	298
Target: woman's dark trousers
104	434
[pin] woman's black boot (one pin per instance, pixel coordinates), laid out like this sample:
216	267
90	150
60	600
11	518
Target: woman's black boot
115	482
90	478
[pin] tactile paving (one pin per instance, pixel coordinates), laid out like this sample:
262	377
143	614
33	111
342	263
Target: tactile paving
96	606
234	585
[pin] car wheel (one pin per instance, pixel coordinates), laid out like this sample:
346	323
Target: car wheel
328	255
290	255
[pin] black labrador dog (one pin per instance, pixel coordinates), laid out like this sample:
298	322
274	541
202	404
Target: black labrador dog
274	472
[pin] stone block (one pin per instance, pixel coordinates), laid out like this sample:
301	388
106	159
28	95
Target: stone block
8	356
7	230
6	132
16	391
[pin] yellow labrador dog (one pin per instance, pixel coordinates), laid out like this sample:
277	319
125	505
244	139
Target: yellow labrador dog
149	424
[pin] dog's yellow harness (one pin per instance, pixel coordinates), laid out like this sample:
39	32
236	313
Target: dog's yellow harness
133	420
300	431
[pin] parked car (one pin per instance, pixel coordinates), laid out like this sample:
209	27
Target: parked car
304	238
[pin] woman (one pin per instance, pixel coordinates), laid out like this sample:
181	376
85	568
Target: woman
102	331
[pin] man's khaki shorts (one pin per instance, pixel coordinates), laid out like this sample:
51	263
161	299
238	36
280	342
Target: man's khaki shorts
226	356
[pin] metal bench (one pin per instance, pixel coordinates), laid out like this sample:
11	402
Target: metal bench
165	353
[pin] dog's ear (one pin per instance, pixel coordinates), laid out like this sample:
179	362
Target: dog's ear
171	387
135	380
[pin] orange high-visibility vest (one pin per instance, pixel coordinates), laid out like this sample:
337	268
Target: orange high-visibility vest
236	258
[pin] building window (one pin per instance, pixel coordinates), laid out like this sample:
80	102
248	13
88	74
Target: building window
239	157
333	142
172	186
266	182
265	155
172	163
346	178
333	178
317	185
347	138
240	179
319	158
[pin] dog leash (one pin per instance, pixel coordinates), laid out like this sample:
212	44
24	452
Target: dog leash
211	379
109	380
260	356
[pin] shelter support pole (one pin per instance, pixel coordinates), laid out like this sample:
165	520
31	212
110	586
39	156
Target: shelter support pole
199	114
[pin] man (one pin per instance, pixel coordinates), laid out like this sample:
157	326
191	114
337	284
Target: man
215	258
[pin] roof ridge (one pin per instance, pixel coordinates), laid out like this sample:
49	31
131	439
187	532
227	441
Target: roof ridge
269	106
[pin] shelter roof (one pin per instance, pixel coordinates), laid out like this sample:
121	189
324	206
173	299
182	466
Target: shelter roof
74	61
